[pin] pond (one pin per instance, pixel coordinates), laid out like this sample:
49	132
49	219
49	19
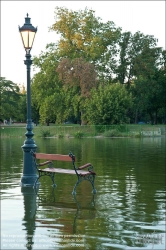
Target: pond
128	211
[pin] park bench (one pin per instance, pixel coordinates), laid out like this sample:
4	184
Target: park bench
88	175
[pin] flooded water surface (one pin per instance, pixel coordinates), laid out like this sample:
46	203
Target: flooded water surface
128	211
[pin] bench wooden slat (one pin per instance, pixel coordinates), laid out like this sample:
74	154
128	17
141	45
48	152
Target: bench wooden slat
65	171
53	157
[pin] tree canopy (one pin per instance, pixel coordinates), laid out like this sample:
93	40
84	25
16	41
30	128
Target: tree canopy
95	67
12	101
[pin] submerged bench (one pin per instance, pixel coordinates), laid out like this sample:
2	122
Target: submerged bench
88	175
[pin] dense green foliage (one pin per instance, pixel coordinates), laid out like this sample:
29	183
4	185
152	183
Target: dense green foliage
13	103
108	105
97	74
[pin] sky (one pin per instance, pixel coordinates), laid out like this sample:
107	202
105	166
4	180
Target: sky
145	16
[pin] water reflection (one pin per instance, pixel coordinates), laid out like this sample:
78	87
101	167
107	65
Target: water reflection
129	205
29	199
81	210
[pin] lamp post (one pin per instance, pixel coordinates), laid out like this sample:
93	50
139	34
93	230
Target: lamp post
27	32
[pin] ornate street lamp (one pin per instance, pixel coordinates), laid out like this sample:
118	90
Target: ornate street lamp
29	176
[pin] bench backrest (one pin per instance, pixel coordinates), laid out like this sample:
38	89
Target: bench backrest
53	157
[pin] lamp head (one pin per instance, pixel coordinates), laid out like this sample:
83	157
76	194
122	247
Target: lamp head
27	32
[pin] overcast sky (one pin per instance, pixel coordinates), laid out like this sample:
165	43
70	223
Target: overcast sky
145	16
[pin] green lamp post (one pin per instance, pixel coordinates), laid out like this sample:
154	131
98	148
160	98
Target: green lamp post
27	32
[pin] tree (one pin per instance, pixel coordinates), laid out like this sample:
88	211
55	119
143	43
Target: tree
10	97
44	84
78	73
149	87
133	48
109	104
81	77
22	108
82	35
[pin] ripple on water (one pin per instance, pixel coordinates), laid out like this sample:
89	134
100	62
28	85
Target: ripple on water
128	207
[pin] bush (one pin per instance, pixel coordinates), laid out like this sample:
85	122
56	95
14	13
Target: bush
112	133
100	128
60	136
121	128
138	135
78	134
44	132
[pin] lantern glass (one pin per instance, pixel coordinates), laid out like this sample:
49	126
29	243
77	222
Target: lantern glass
27	38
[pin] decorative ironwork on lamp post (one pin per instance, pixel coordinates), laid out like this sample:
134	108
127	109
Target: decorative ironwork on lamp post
27	32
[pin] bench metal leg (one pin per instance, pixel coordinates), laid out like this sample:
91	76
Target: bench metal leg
90	178
52	178
74	189
92	182
46	174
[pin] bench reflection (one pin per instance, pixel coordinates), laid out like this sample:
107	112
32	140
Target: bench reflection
64	211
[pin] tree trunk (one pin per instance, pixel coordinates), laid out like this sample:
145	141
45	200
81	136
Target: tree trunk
151	118
155	117
83	122
136	117
47	122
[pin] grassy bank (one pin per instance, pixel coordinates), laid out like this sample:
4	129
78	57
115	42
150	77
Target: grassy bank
130	130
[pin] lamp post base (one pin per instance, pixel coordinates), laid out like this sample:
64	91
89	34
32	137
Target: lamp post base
29	170
28	180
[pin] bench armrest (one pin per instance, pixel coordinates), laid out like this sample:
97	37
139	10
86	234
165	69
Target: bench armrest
89	166
45	163
84	166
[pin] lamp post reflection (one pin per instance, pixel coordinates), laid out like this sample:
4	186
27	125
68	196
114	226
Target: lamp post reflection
29	198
